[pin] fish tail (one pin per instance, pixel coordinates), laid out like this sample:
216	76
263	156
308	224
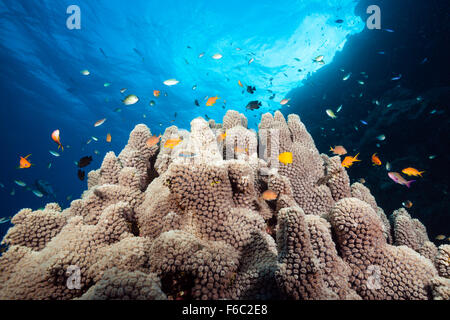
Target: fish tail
420	173
408	183
331	148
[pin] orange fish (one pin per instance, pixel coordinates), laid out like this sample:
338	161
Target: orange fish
375	160
340	150
240	83
221	137
348	161
412	172
24	163
269	195
172	143
156	93
407	204
211	101
153	141
56	138
108	137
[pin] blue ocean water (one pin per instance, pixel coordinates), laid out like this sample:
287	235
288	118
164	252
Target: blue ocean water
138	45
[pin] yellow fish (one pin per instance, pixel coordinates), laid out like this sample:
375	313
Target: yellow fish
412	172
348	161
171	143
285	157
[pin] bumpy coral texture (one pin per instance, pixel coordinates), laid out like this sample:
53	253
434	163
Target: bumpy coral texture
307	169
122	285
412	233
34	229
190	222
441	288
379	270
360	191
298	274
443	261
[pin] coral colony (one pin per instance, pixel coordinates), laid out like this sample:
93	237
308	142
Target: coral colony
189	222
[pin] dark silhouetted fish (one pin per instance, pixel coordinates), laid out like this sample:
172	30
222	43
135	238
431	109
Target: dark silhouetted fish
45	188
84	162
251	89
253	105
103	52
81	174
196	103
339	21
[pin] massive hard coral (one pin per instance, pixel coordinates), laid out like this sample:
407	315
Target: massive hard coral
379	270
189	220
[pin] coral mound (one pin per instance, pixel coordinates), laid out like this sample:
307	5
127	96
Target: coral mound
218	216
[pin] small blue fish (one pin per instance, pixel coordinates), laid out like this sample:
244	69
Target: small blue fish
389	105
433	111
49	165
20	183
396	78
363	122
54	153
3	220
2	185
187	154
37	193
381	52
389	30
424	61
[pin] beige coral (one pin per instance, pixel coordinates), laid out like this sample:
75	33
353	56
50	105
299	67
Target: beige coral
412	233
189	222
379	270
443	261
117	284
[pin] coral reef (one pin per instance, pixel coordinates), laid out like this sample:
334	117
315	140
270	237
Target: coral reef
192	221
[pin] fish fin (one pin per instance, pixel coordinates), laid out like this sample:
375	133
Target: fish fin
408	183
331	148
27	156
